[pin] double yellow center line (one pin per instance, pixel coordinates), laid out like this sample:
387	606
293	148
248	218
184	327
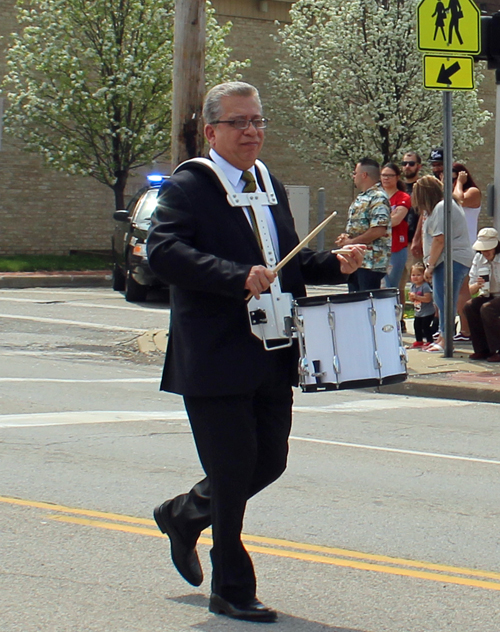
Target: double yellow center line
443	573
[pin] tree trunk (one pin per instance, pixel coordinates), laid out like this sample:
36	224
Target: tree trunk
119	189
188	80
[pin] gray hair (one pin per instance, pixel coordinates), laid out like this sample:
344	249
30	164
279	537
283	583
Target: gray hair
212	109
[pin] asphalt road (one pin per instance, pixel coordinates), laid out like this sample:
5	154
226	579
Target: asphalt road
387	518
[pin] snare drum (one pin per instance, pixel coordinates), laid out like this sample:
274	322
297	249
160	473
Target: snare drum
350	340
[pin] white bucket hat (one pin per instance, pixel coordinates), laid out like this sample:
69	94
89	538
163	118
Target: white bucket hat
487	239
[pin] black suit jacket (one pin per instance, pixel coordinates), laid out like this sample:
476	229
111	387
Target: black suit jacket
205	249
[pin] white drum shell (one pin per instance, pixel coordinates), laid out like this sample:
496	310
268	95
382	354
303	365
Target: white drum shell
350	343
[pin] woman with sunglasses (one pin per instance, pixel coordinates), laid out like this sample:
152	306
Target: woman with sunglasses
400	203
428	198
466	192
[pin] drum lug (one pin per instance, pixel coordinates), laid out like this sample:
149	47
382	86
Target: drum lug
335	359
299	324
373	316
336	365
403	356
303	366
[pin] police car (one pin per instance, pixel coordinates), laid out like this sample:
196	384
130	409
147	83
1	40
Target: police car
131	271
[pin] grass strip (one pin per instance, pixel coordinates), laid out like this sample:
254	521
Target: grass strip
52	263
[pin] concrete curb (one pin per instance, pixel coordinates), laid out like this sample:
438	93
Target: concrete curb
444	379
20	280
441	387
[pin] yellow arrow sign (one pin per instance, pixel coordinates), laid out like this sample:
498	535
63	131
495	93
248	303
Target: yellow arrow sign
448	73
449	26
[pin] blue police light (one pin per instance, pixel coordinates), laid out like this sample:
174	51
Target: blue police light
155	178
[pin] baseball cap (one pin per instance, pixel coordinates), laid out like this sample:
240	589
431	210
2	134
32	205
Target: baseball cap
437	155
487	239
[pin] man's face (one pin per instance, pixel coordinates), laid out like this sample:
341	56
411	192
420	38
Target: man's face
240	147
437	169
359	177
410	167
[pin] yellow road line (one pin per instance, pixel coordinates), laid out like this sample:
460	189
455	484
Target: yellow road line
74	510
287	548
305	557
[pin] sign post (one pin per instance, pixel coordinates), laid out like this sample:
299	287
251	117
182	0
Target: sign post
441	30
449	316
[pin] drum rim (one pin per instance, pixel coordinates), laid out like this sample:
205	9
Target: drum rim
346	297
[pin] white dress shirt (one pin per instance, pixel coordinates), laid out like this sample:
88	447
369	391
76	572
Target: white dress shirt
233	174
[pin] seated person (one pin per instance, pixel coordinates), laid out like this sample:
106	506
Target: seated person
483	311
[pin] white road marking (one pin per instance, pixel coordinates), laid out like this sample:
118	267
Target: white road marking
98	416
77	323
383	403
63	380
60	303
66	418
360	446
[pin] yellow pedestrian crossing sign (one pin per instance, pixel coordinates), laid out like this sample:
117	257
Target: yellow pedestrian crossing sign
448	73
449	26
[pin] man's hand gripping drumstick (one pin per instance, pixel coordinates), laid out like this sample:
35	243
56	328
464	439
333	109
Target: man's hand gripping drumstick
350	258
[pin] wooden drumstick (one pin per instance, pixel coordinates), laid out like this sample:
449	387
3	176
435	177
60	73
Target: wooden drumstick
305	241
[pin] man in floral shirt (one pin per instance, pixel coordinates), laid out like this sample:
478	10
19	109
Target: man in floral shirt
369	222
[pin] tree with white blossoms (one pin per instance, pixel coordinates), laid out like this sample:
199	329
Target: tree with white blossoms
349	82
90	83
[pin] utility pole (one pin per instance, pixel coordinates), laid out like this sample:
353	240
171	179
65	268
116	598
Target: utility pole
188	80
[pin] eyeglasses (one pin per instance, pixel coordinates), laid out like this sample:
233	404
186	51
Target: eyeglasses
243	123
388	175
409	163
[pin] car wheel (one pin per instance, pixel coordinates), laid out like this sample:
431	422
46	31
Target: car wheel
118	279
134	292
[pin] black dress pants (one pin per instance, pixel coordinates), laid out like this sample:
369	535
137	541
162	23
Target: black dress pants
242	442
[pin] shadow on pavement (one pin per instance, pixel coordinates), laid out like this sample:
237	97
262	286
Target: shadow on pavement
285	622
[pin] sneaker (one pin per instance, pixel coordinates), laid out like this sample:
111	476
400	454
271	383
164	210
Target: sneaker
460	337
416	345
435	335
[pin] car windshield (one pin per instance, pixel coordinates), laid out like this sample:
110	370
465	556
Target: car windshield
146	206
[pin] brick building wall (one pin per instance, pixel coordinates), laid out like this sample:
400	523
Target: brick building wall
45	211
42	210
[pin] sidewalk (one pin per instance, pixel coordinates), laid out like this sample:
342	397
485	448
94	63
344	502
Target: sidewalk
89	278
429	375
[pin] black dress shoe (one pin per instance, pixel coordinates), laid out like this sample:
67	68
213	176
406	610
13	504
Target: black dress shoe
479	355
184	555
253	610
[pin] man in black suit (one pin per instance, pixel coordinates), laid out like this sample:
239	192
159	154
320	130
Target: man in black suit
237	395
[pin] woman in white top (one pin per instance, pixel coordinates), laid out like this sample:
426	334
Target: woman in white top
483	311
427	198
466	192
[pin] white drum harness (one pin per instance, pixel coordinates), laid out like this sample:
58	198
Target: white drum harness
270	316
